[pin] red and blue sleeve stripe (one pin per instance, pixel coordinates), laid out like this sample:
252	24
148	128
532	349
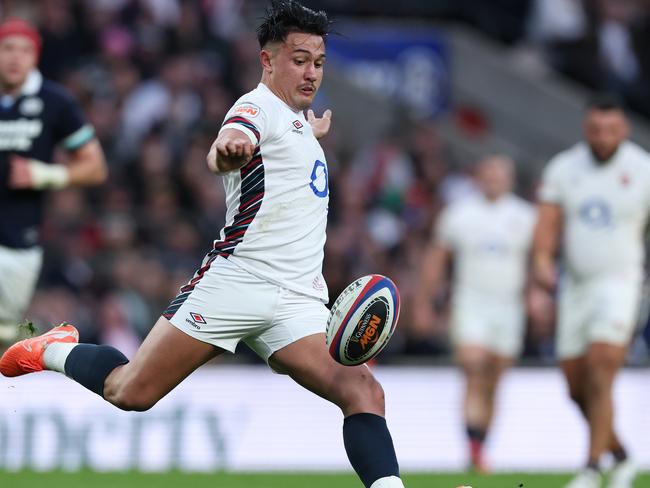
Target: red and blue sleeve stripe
243	122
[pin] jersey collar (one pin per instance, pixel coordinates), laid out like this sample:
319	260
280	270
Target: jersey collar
268	90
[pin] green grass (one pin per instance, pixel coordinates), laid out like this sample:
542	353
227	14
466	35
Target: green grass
89	479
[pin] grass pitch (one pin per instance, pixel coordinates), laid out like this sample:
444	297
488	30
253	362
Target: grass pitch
89	479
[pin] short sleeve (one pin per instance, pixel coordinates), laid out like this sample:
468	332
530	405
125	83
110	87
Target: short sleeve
551	187
444	232
249	118
72	131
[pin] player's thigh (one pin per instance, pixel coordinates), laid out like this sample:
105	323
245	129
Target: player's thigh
165	358
501	363
473	358
352	388
574	370
19	269
605	358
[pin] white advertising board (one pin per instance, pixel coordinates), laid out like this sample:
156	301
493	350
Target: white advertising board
244	418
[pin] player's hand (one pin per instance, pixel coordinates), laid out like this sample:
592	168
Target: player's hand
231	153
20	176
320	126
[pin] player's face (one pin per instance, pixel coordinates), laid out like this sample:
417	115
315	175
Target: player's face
495	177
297	69
17	59
604	131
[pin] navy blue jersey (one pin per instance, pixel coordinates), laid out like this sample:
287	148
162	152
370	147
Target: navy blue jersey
43	116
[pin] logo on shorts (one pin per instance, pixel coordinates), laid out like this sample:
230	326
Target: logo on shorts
197	317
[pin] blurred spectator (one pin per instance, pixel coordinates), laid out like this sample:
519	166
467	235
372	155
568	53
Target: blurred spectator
601	43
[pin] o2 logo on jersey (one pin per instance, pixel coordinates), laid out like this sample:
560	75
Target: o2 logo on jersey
493	247
319	180
596	213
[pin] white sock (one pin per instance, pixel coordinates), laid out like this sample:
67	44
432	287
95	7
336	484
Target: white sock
55	355
388	482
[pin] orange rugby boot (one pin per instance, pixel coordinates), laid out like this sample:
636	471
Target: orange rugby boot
26	356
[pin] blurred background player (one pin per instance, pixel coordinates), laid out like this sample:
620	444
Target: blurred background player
36	116
595	196
488	237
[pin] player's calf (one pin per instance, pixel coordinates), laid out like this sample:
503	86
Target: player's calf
127	394
367	441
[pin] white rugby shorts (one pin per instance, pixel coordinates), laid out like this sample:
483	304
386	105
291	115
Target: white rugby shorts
495	324
224	304
600	309
19	270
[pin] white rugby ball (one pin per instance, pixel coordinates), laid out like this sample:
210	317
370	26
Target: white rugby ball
362	319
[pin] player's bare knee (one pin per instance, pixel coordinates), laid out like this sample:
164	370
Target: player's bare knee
132	403
376	394
600	381
476	370
359	391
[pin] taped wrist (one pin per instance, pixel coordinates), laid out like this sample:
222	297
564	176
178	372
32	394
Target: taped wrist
45	175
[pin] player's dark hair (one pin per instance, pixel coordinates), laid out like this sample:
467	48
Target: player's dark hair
605	101
286	16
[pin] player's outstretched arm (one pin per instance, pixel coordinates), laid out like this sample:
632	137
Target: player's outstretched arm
230	151
320	126
86	166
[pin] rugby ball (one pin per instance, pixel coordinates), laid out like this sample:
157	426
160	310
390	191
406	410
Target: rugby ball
362	319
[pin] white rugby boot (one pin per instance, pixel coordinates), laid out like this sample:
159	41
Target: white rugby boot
587	478
622	474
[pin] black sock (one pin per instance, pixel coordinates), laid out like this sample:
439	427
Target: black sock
89	365
620	454
593	464
476	434
369	447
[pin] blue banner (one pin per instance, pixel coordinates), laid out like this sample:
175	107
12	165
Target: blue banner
406	64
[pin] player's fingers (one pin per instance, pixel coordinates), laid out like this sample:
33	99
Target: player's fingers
310	115
248	150
235	149
327	114
222	148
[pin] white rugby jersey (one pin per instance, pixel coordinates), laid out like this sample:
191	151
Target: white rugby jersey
277	204
490	242
605	208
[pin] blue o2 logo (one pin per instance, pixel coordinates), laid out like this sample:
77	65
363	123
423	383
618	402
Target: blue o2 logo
319	181
596	213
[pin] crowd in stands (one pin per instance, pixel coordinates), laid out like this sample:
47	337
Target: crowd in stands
600	43
155	78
